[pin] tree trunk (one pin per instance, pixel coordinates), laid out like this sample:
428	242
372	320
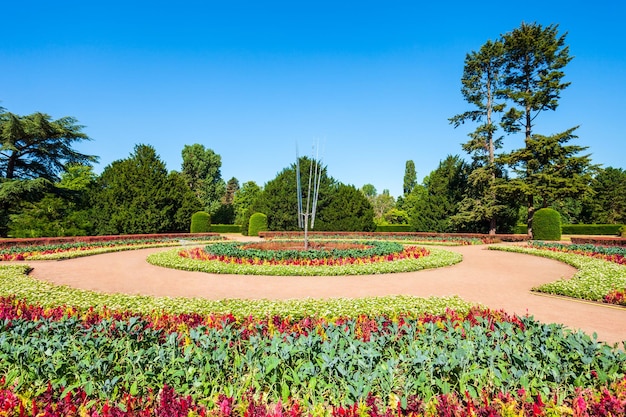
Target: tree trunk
531	213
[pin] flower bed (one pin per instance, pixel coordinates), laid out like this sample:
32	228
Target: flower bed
595	279
606	253
381	258
79	248
121	363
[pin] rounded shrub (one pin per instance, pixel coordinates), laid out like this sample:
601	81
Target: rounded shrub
547	224
258	223
200	222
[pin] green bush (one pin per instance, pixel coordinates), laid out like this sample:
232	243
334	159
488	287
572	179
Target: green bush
258	223
591	229
225	228
394	228
520	229
547	224
200	222
622	231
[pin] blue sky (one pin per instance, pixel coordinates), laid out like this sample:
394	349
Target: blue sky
373	82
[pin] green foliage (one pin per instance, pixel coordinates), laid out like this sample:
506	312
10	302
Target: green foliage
595	277
547	224
225	228
410	177
396	216
35	146
393	228
258	223
348	210
225	214
608	204
622	231
243	200
201	168
200	222
136	195
436	259
591	229
520	229
62	211
431	206
280	201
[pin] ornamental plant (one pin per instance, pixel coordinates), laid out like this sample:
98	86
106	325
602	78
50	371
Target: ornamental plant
200	222
258	223
547	224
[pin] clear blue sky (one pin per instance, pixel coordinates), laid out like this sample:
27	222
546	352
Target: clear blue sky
374	82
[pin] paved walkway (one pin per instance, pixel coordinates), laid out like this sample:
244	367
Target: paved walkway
499	280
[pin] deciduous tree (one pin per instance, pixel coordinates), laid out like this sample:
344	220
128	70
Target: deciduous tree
202	168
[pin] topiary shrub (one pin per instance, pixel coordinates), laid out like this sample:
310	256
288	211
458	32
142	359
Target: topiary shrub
200	222
258	223
547	224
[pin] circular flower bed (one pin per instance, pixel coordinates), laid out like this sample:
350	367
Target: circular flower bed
290	258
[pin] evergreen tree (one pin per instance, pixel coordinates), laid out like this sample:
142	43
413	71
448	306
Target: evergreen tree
410	177
431	206
481	85
534	60
347	211
279	200
35	146
548	170
62	211
136	195
608	204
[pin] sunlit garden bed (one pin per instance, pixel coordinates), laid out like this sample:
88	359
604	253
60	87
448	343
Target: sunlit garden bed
374	257
601	274
74	249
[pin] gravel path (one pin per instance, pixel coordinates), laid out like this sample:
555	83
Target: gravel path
498	280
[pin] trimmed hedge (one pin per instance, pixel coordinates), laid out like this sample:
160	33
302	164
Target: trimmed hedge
225	228
394	228
547	224
200	222
591	229
258	223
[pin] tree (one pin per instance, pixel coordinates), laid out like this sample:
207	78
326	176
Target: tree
382	203
201	167
549	170
62	211
369	191
35	146
534	60
432	205
136	195
410	177
481	84
244	199
609	201
232	186
279	196
348	211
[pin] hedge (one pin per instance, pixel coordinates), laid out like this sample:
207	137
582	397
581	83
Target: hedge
580	229
225	228
200	222
547	224
591	229
393	228
258	223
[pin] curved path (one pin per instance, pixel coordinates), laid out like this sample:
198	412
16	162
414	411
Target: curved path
499	280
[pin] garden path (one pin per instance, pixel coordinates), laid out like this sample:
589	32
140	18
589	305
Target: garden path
498	280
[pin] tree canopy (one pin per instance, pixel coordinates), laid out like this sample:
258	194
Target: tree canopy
35	146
